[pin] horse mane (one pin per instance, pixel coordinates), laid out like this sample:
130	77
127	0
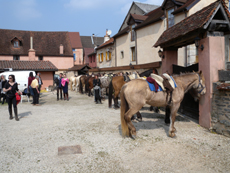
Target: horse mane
183	74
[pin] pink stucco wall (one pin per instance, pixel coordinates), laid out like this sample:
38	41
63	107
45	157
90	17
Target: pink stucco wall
92	61
47	79
211	59
62	63
170	57
79	57
23	58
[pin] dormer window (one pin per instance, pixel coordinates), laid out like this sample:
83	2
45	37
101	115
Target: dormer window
16	44
170	18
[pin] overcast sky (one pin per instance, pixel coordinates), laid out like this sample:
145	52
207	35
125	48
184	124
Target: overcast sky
84	16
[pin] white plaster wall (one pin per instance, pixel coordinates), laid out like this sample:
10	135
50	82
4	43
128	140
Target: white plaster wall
109	63
123	44
146	38
201	4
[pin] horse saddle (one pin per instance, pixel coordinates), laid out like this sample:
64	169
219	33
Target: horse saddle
160	80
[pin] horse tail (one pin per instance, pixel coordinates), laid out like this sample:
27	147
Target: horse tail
87	85
110	93
80	87
124	109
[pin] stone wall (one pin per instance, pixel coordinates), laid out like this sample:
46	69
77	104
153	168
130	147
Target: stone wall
221	111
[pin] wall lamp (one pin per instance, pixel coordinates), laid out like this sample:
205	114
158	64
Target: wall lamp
197	43
131	66
160	53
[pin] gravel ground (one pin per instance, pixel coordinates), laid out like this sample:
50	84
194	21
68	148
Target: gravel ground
31	145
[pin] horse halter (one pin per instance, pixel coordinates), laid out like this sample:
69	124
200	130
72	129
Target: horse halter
200	85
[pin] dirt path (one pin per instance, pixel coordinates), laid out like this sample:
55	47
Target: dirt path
31	145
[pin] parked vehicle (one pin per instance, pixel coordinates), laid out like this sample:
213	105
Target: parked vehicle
21	77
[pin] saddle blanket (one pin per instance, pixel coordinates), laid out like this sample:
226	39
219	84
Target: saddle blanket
153	88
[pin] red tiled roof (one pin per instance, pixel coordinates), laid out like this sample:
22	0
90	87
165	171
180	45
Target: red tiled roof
185	6
152	17
28	65
122	32
78	67
44	43
75	40
189	24
110	41
138	17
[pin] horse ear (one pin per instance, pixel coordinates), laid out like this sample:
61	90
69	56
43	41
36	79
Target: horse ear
200	72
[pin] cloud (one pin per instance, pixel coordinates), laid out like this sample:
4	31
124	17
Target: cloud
94	4
26	9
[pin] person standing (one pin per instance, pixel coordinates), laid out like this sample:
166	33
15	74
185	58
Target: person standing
30	79
64	83
40	83
97	87
2	93
11	87
59	87
34	85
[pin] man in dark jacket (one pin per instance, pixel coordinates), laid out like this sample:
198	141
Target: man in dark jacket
59	86
97	89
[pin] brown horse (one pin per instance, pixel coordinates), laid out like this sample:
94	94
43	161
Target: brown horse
89	85
136	93
115	86
82	83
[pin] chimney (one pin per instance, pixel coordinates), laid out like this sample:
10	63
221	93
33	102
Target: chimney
61	49
31	43
106	37
31	52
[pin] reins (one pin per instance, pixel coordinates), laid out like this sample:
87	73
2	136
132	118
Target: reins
202	87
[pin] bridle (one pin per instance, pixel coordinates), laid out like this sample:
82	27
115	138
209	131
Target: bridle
200	86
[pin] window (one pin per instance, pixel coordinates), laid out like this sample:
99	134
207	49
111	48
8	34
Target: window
40	58
122	54
102	57
16	57
16	45
132	33
74	57
110	55
133	53
106	56
170	18
93	57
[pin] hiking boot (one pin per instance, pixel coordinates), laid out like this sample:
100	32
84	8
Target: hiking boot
16	114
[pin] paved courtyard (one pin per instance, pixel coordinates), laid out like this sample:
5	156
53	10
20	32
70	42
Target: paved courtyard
31	145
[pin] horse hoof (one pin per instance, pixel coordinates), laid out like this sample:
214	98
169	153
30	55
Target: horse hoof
172	135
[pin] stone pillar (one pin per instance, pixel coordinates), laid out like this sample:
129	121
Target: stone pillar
31	55
170	58
211	59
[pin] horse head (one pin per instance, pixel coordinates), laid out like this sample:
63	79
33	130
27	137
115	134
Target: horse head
200	85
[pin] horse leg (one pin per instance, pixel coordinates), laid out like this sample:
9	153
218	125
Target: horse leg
167	115
174	110
139	116
116	99
127	117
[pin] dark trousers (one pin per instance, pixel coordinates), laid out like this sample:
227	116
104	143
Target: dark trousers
11	101
59	90
35	96
3	96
